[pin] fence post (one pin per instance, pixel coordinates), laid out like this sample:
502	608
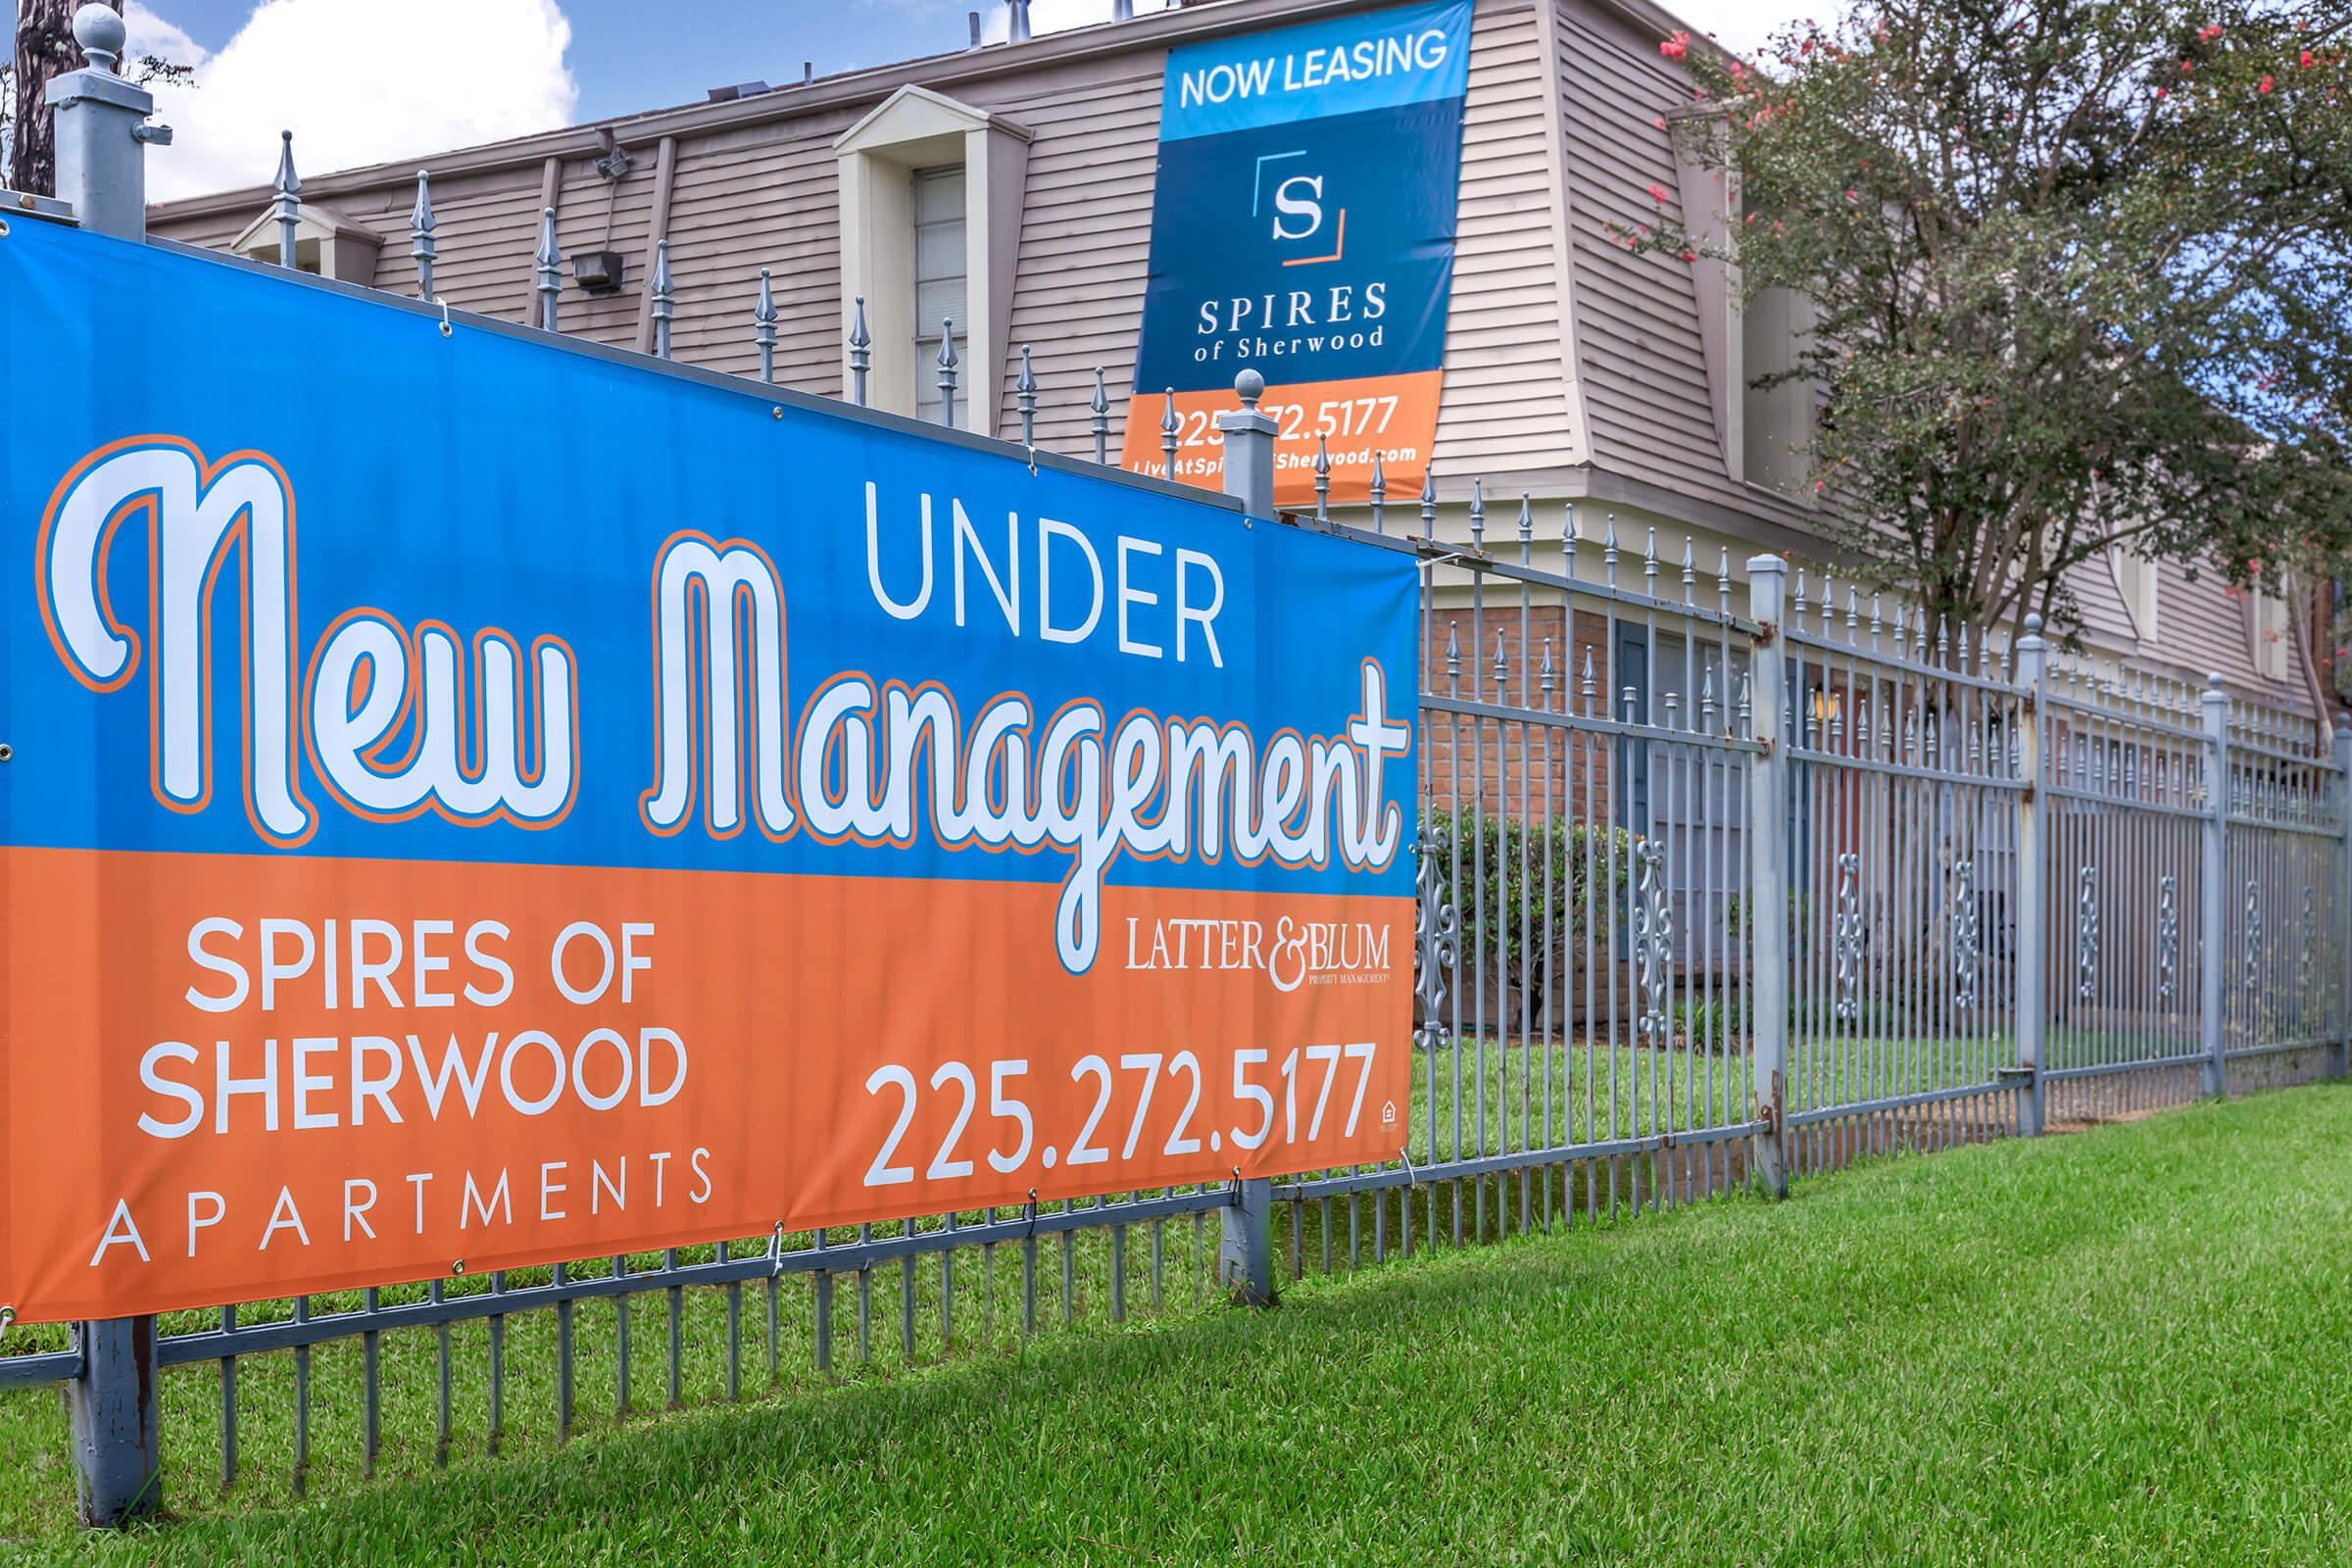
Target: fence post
102	136
102	132
1245	1247
2339	1056
118	1450
1246	1252
2211	896
1248	447
2032	881
1768	875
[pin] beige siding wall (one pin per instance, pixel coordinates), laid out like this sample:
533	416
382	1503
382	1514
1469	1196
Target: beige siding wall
1504	403
1086	238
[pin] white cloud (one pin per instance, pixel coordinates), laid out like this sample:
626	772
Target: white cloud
357	82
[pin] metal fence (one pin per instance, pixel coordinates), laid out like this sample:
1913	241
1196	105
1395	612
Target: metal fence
1718	882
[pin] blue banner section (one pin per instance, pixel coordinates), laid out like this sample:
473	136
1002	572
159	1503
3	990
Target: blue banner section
292	572
1347	65
1302	226
1317	251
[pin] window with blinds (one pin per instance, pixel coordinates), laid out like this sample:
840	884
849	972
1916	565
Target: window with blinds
940	274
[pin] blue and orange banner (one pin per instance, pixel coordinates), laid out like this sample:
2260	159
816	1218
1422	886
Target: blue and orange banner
474	802
1302	226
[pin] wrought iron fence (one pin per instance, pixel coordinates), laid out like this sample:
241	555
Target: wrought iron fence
1718	882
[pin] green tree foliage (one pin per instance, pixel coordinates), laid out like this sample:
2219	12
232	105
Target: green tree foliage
2080	274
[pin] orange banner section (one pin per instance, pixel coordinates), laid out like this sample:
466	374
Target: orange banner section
240	1076
1393	415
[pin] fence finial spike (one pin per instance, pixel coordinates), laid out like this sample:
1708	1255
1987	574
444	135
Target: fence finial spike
1322	479
1428	502
764	327
665	297
1380	494
1099	424
1024	392
1502	657
861	356
947	362
286	200
422	245
1478	514
1169	428
1527	519
549	262
287	184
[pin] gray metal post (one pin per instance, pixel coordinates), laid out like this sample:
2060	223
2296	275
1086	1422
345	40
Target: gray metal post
2212	897
1768	787
2033	880
102	132
117	1449
2340	1055
1245	1248
1249	448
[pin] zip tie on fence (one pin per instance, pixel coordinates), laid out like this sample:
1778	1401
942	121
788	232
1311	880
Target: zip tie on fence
445	329
1032	1236
1411	1180
775	1250
8	1319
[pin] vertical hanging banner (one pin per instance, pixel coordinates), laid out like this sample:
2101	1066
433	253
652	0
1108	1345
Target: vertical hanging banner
1304	226
475	799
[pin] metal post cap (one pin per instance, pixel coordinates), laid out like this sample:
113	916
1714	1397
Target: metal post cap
99	31
1252	387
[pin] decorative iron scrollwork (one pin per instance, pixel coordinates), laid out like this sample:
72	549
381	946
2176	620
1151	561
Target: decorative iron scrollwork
2253	927
1653	936
2167	939
2086	934
1846	939
1964	935
1437	933
2311	936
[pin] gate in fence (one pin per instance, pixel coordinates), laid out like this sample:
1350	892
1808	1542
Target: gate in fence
1716	881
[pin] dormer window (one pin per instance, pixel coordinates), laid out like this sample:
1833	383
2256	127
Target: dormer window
930	232
327	243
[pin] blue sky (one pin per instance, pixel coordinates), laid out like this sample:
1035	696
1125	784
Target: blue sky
628	55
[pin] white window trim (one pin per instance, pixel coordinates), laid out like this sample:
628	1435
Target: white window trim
2139	582
876	160
2270	635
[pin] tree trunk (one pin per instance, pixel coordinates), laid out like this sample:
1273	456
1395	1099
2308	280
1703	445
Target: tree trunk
45	50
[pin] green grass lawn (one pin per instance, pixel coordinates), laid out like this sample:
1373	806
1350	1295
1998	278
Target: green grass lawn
2130	1346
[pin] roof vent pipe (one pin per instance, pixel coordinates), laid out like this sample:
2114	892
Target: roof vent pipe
1122	10
1017	24
973	17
